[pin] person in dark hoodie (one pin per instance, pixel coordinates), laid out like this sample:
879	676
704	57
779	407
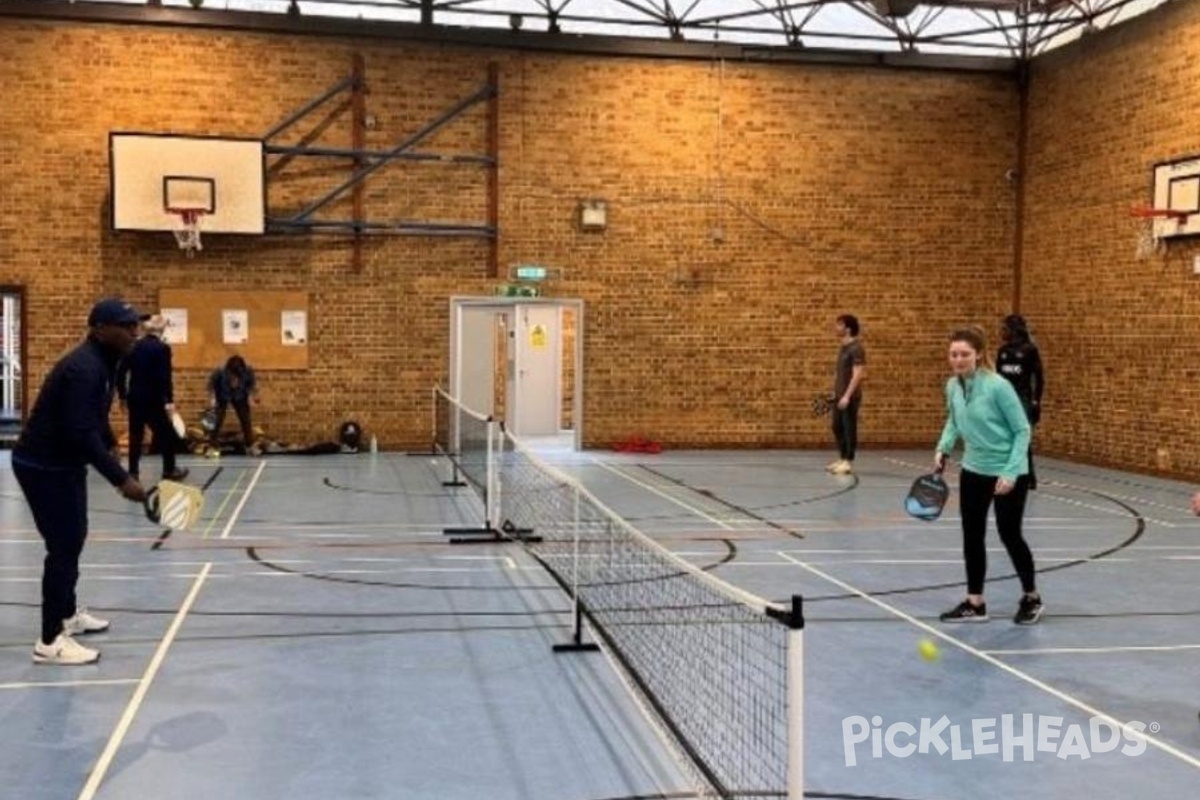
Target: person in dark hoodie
233	385
145	385
67	430
1021	363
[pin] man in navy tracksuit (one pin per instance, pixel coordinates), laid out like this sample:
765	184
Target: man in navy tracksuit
67	430
144	385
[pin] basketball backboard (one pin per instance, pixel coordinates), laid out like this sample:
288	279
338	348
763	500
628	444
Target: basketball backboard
151	174
1177	188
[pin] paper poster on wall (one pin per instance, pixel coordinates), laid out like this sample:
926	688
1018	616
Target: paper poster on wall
537	336
294	327
176	331
235	326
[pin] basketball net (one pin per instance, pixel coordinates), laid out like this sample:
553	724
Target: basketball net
1151	239
187	232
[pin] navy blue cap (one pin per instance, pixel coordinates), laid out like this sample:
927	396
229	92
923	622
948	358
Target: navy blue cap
113	311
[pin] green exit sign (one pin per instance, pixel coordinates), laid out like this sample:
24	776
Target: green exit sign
516	290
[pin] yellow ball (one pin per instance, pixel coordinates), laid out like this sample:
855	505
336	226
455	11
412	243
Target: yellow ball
928	650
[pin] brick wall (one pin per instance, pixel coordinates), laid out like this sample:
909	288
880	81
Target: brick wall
1119	335
832	189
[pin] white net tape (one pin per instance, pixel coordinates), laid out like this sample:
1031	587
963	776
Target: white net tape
1153	228
1149	243
187	233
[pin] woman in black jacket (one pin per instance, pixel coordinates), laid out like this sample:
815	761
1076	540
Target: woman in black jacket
1020	361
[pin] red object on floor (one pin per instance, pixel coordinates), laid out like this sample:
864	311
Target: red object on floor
638	444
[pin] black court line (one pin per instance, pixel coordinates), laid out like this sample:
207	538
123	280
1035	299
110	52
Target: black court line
253	554
383	492
745	511
736	793
1139	529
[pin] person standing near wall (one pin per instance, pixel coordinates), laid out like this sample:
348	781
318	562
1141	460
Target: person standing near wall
233	385
984	411
849	373
1021	363
67	430
145	385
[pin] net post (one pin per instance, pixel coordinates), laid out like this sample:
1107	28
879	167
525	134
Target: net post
491	531
433	429
576	645
491	502
451	449
795	699
510	529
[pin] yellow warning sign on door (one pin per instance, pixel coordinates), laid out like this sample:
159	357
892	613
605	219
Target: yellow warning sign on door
537	336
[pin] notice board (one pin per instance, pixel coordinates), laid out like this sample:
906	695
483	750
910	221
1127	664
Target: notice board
268	329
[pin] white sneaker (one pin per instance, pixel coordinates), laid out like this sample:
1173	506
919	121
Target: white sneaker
832	465
83	622
842	468
65	651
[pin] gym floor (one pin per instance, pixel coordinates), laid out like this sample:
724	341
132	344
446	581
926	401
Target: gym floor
317	637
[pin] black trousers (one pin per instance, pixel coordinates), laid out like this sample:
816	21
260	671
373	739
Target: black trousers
164	435
242	409
58	500
845	428
976	494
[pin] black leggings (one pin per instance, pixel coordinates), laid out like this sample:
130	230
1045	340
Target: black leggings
976	493
845	428
242	409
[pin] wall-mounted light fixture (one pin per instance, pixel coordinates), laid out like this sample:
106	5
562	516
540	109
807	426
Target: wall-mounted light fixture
593	215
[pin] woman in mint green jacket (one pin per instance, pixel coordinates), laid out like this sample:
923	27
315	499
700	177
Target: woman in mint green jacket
984	411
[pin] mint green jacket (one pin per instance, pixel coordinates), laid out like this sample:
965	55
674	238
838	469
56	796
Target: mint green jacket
985	412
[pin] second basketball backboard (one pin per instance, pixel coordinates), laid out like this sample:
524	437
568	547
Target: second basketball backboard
154	176
1177	188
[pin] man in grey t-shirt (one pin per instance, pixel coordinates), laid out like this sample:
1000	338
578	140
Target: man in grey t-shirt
847	393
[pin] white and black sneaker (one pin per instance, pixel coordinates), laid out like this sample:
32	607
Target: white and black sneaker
966	611
64	651
1030	611
83	622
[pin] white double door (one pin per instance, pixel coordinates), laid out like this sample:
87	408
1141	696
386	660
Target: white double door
520	360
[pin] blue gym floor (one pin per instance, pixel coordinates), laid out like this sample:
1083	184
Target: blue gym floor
317	637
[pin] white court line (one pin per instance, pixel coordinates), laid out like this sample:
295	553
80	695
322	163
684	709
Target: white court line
67	684
1091	711
655	490
1056	651
135	703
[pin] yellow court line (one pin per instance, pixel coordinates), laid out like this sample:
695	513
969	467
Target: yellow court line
221	508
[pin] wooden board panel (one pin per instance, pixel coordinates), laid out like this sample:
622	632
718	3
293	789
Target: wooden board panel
264	348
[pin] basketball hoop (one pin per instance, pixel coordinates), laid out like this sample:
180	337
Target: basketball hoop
1153	226
187	232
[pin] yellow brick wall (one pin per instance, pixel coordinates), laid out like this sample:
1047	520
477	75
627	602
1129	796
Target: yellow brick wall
835	189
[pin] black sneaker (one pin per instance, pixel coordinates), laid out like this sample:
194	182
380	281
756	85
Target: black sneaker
1030	611
966	611
175	475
